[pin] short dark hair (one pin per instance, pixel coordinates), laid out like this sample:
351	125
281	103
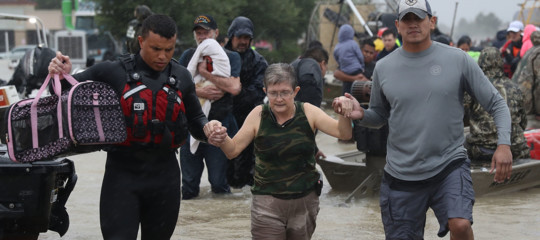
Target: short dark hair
315	43
388	32
367	41
442	39
159	24
464	39
317	53
221	39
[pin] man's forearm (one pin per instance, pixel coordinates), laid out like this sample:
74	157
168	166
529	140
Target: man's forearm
231	85
345	77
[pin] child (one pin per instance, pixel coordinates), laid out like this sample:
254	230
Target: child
348	55
217	63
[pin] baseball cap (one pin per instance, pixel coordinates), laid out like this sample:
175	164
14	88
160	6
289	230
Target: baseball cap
515	26
419	7
205	21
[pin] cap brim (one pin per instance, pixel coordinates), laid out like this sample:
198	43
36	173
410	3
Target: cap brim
201	26
418	12
512	29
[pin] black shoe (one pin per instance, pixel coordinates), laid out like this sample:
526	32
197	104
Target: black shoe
187	196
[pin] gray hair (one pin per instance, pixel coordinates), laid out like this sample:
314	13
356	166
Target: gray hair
280	72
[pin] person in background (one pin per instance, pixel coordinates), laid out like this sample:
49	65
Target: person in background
465	43
444	39
500	39
527	43
512	47
141	12
482	140
425	157
527	76
240	33
315	43
286	188
310	69
221	93
389	41
141	184
348	55
222	40
368	50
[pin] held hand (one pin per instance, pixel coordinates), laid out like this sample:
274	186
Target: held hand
342	105
348	106
60	64
215	132
214	93
210	127
502	162
217	138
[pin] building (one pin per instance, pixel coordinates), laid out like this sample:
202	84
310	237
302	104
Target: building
15	33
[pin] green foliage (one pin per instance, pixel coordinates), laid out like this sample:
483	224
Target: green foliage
281	21
48	4
286	54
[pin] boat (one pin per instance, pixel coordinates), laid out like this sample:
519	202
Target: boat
361	173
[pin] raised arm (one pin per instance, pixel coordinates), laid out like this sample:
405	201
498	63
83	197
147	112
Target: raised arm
341	128
233	147
60	64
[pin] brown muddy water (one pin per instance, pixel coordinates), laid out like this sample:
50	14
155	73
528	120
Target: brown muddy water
509	216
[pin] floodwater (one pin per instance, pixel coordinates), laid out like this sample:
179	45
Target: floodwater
508	216
212	217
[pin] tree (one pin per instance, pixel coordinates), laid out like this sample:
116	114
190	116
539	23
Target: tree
280	22
48	4
484	26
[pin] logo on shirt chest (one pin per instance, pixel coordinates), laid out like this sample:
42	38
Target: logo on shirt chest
411	2
435	70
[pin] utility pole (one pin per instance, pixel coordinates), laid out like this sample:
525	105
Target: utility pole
453	21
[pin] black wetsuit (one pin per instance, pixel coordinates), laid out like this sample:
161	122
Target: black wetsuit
142	184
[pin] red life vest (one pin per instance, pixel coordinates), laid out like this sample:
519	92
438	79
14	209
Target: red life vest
153	119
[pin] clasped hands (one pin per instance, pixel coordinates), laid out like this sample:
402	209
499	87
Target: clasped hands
348	107
215	132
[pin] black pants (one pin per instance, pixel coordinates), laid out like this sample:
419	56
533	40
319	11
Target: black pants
140	188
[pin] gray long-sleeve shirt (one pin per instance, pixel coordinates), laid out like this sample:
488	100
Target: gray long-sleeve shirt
421	97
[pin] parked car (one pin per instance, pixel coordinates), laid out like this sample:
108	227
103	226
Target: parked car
17	52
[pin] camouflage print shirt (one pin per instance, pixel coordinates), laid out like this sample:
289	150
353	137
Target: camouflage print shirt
285	156
527	75
482	140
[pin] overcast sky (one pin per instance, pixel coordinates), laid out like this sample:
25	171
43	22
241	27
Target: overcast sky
468	9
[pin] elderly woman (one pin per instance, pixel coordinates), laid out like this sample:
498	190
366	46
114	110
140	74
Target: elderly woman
285	197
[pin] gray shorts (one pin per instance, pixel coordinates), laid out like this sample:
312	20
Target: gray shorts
274	218
404	206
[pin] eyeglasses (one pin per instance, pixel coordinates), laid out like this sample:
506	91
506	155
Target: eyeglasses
284	94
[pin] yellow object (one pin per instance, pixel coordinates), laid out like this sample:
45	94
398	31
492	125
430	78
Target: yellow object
378	45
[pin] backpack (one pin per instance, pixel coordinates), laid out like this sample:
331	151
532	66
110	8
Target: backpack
371	141
32	70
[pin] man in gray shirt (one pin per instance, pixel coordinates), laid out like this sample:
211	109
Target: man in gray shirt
418	89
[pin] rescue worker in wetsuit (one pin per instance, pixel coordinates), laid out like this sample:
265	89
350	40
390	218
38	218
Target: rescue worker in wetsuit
142	177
